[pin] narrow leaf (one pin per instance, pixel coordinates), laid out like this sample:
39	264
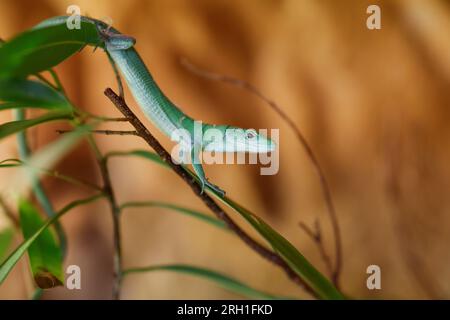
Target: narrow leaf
19	93
42	48
6	237
289	253
139	153
220	279
46	257
12	127
10	262
193	213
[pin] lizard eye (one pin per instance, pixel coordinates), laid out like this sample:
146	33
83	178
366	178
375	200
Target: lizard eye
251	134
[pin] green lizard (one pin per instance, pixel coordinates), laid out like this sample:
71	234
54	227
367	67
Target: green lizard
163	113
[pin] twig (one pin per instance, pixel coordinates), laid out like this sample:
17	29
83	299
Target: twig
196	188
115	210
111	119
107	132
316	236
323	182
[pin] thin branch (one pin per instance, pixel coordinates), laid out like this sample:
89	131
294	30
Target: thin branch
323	182
145	134
316	236
115	210
106	132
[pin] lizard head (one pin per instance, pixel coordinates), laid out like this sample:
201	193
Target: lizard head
235	139
119	42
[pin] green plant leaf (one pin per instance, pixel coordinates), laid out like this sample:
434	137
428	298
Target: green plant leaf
319	283
43	47
193	213
139	153
6	237
46	257
289	253
12	127
220	279
13	258
20	93
11	105
304	269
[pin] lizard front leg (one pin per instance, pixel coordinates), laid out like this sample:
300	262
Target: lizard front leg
198	168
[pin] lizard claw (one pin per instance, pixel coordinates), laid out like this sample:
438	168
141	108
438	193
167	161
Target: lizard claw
213	187
203	186
216	189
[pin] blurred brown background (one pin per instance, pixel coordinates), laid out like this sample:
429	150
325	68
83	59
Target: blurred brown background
374	106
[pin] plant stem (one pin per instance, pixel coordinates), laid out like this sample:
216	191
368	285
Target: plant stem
115	210
316	236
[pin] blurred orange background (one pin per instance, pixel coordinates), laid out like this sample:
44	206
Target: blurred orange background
374	106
